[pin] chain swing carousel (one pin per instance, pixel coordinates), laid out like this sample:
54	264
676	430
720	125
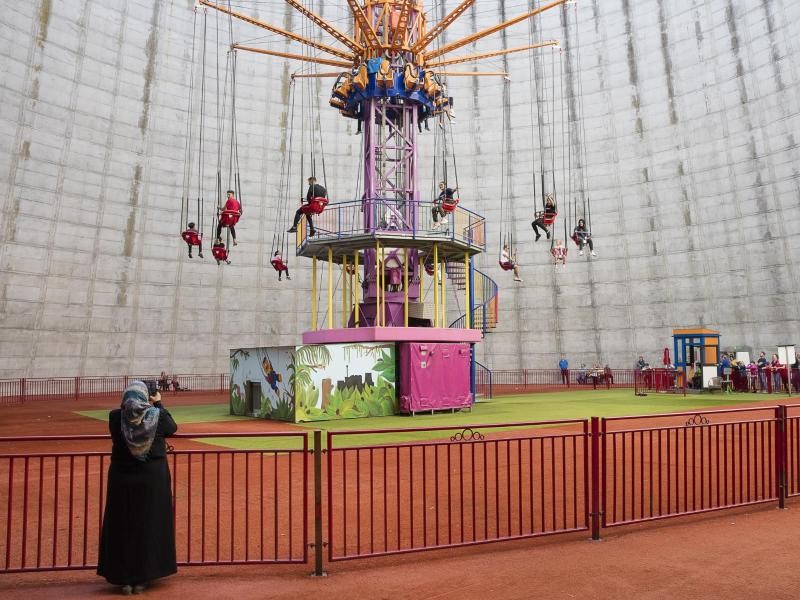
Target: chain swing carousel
393	350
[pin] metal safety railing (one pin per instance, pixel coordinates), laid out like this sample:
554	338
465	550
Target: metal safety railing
342	221
52	502
426	488
17	391
467	486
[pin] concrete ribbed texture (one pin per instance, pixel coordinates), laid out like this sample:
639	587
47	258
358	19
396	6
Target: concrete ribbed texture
690	127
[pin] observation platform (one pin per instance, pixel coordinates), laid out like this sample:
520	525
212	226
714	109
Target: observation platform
345	228
391	334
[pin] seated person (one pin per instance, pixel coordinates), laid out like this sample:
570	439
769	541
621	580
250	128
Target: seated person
445	193
176	386
507	259
315	190
219	251
583	238
559	253
189	236
548	213
279	265
232	207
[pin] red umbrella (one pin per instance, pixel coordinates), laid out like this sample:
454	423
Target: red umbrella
666	359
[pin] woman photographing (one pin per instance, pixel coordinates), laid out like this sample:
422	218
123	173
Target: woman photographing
137	544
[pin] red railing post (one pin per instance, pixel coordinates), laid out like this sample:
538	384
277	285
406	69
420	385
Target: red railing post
780	453
77	387
595	514
22	390
318	543
768	374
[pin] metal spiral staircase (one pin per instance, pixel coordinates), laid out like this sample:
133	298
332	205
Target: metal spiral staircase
484	315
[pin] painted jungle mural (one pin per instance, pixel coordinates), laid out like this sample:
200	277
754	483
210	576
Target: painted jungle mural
316	382
271	370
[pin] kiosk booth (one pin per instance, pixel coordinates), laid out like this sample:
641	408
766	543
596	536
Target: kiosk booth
696	346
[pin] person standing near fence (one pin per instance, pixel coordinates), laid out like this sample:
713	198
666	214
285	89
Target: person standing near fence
777	367
137	544
762	363
563	364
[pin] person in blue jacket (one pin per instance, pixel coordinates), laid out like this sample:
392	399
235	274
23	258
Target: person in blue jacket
564	366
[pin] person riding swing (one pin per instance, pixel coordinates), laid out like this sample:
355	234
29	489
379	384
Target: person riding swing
315	190
446	196
582	237
229	216
559	253
508	262
192	237
219	251
544	218
279	265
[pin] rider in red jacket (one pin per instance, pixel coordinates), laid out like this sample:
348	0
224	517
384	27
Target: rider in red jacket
232	212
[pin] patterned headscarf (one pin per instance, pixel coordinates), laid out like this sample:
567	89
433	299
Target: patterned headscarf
139	420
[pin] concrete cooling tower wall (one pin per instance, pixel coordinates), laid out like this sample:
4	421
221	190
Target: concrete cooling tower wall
678	119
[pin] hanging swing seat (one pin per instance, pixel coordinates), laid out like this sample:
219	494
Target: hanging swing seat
546	217
574	238
506	265
385	75
559	254
229	218
278	264
315	207
449	204
220	253
429	268
191	237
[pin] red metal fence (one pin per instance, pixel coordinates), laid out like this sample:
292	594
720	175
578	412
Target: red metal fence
488	383
481	484
53	502
16	391
688	463
524	381
436	488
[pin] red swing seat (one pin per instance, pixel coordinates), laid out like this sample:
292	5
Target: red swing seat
315	207
429	269
220	253
506	265
229	218
278	264
193	238
548	218
449	204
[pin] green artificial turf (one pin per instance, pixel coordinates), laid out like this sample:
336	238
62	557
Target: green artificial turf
503	409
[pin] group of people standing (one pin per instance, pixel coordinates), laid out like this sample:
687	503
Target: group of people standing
761	375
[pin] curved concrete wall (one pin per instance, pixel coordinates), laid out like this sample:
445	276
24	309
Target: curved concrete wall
690	127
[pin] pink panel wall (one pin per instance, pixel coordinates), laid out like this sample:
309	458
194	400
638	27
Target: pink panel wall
434	376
